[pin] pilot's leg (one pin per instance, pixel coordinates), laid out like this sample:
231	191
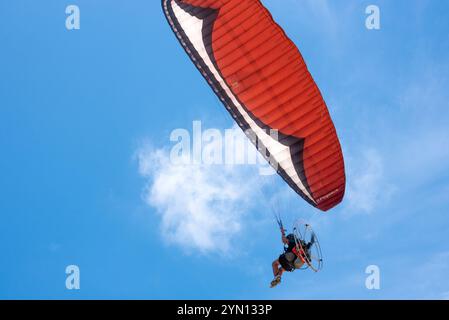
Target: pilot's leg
276	268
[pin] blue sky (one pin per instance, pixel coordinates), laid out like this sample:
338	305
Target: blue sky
85	121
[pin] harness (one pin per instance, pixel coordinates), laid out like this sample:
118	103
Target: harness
300	253
297	251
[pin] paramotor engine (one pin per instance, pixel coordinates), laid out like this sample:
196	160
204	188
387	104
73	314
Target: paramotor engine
306	241
305	235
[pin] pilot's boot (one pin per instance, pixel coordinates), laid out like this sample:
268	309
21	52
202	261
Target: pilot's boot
275	282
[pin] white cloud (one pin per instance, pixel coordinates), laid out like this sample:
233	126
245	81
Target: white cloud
367	184
201	206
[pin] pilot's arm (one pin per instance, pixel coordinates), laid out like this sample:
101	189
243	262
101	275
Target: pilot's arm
284	238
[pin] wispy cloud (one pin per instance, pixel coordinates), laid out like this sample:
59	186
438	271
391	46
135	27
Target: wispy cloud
201	206
367	183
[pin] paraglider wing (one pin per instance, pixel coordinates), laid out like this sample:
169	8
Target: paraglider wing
261	78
